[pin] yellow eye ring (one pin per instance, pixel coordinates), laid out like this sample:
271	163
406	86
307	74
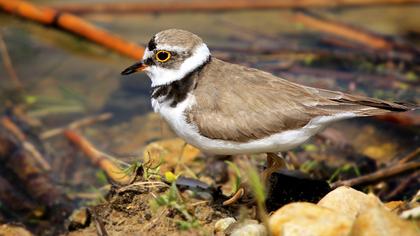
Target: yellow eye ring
163	56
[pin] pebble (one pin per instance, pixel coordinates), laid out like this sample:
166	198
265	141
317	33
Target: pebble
222	224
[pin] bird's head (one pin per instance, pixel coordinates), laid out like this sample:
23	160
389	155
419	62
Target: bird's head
171	55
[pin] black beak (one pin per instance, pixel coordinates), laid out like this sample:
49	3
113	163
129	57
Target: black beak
139	66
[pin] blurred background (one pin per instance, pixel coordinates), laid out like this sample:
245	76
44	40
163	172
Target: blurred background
51	76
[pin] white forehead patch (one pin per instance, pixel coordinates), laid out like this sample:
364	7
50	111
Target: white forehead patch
170	48
164	76
147	54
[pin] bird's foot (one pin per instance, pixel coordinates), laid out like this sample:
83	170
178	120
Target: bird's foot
274	163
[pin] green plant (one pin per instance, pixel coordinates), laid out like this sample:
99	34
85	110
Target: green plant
345	168
238	179
173	200
259	193
308	166
151	170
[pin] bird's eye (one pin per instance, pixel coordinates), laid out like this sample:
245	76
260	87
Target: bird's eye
163	56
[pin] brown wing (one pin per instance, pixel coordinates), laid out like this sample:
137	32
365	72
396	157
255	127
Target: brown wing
240	104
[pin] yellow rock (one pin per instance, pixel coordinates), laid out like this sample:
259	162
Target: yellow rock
343	211
308	219
347	201
375	220
12	230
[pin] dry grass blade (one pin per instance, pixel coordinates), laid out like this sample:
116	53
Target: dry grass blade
147	184
8	63
77	124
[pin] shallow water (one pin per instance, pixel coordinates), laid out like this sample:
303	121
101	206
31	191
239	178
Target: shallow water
65	75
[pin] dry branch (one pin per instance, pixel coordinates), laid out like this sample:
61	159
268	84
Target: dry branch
27	174
379	175
98	158
13	199
72	24
208	5
28	146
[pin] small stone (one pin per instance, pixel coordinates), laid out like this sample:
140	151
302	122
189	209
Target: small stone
147	216
80	218
411	213
252	229
222	224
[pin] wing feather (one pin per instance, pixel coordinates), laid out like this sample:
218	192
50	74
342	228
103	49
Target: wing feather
236	103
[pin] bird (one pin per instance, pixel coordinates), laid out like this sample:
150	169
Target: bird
226	109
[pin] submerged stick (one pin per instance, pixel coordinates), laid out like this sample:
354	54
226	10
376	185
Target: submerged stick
76	124
28	176
209	5
72	24
8	63
343	30
378	175
28	146
98	158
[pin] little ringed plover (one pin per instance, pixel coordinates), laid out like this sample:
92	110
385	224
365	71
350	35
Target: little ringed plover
224	108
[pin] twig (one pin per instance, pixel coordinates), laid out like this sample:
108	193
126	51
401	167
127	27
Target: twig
209	5
409	156
403	185
28	146
8	63
76	124
378	175
343	30
72	24
199	203
13	128
99	158
148	184
99	225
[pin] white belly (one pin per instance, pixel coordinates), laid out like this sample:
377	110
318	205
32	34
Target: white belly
275	143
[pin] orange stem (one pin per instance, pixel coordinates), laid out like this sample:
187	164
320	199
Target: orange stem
218	5
72	24
98	158
344	31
